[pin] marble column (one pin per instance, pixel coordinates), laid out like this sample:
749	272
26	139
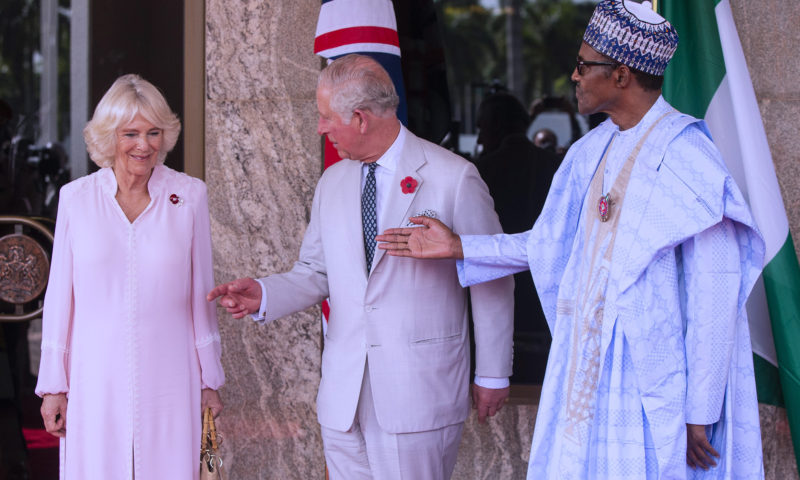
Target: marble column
263	159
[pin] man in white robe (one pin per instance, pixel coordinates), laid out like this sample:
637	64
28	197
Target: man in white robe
643	258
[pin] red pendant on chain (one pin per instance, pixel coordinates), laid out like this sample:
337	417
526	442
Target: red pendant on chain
604	207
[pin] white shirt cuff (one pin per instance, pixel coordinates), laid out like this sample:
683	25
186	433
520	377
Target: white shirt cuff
261	318
492	382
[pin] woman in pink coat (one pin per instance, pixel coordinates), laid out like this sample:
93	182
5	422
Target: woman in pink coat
130	346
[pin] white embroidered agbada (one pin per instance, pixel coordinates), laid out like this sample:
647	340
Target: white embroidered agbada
127	331
647	316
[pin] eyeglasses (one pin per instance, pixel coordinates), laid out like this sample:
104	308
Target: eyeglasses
580	64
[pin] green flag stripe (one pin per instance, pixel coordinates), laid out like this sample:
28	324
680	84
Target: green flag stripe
782	285
768	385
698	67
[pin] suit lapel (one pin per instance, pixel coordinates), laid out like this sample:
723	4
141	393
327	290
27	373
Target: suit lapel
411	159
350	213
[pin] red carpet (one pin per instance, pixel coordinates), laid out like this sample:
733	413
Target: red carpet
38	438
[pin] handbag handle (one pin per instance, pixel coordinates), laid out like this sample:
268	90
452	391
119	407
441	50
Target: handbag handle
209	431
210	461
204	438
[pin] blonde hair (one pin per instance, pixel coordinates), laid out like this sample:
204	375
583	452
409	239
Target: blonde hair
128	96
359	82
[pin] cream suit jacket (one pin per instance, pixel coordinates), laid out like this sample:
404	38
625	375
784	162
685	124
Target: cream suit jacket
408	317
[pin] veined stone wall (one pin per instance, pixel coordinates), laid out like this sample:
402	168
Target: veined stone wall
262	164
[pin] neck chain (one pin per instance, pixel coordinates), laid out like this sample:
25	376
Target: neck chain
605	202
620	183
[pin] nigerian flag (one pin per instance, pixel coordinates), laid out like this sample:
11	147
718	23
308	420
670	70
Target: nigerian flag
708	78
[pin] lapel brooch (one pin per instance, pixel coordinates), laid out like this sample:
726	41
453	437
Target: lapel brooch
408	185
176	200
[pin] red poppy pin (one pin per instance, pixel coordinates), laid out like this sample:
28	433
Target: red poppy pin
408	184
176	200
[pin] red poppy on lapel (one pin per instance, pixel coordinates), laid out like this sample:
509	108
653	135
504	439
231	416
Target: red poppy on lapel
408	184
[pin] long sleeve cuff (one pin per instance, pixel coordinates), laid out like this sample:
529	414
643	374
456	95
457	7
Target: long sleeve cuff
209	352
489	257
492	382
53	368
261	318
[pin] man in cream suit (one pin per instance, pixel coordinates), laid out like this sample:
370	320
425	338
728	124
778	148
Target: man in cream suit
395	381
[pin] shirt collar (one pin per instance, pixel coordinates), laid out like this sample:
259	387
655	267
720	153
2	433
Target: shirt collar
155	184
659	108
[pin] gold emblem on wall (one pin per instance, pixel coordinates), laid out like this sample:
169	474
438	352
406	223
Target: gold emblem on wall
23	269
25	244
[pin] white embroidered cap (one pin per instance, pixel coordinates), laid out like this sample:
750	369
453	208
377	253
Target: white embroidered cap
632	34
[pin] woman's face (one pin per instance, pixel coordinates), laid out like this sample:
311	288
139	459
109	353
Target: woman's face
138	144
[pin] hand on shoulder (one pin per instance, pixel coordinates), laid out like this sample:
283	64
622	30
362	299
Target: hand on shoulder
430	239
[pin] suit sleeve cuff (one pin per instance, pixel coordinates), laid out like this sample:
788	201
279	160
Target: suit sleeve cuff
261	318
492	382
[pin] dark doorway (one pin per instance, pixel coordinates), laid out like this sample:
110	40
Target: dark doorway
143	37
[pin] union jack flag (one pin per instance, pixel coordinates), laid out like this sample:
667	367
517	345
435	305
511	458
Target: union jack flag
367	27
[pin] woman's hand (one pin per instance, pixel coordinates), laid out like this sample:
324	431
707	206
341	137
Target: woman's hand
210	398
54	413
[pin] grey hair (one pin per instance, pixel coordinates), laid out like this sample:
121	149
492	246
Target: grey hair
357	82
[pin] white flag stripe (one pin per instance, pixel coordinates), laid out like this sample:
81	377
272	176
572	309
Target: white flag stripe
760	325
339	14
720	118
359	47
766	202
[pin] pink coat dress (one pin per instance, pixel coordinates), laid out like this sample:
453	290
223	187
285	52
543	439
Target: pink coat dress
127	331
